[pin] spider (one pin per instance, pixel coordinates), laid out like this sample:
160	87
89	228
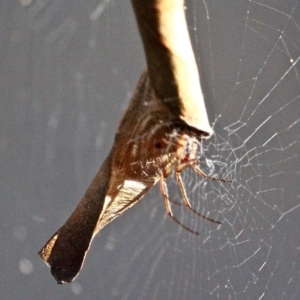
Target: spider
185	157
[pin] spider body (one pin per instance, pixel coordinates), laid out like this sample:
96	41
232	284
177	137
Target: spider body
180	144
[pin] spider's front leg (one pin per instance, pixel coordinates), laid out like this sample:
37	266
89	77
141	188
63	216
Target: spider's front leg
201	173
164	192
183	192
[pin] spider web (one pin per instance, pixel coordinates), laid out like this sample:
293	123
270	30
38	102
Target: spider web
254	253
69	66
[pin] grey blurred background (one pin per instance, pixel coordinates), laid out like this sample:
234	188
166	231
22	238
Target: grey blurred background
67	71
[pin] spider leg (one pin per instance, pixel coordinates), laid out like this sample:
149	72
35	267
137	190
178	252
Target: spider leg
175	202
185	198
200	172
164	192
